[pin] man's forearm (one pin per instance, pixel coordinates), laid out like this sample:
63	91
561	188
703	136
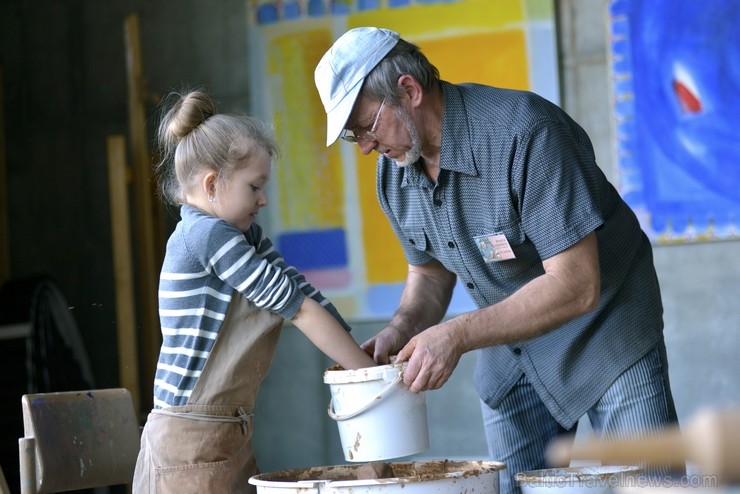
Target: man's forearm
425	298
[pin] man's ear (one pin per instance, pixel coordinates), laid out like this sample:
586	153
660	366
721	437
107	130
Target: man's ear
412	88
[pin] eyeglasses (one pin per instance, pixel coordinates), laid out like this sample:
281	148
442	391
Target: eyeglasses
366	135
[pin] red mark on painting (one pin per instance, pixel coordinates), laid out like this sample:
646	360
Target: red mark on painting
690	102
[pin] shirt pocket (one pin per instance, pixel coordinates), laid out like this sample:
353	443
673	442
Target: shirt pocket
526	262
417	238
512	231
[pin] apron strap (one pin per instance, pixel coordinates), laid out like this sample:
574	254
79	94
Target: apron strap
242	417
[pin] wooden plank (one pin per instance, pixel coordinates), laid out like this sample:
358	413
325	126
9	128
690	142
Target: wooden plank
148	259
128	361
4	204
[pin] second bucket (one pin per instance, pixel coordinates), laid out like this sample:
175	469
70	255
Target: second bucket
377	416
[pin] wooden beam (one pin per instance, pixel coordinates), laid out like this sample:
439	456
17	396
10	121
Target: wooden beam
128	362
146	213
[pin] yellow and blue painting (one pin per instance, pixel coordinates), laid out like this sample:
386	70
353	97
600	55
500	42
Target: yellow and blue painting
676	79
323	214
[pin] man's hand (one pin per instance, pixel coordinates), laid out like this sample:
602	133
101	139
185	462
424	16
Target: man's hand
424	300
433	355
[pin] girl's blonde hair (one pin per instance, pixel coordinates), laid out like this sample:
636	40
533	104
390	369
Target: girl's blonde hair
192	135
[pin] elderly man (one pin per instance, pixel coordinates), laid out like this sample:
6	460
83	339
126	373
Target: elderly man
500	189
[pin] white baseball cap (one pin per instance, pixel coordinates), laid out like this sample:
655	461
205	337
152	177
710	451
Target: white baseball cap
342	69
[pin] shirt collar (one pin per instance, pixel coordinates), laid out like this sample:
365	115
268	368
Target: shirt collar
456	153
457	150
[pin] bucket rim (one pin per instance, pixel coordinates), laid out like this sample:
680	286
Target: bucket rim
387	372
468	468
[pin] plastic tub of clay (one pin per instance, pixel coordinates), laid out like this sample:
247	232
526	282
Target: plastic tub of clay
420	477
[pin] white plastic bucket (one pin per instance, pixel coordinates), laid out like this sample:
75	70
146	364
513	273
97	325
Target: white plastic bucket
377	416
421	477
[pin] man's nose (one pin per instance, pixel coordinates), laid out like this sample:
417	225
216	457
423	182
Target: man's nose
366	147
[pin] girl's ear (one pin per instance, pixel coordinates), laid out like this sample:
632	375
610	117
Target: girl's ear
209	185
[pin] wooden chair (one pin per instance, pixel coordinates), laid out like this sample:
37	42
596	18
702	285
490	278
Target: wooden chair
77	440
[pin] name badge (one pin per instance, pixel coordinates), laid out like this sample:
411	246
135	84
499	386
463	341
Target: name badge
494	247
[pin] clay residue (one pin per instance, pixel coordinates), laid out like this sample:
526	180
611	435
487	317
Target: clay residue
420	471
374	470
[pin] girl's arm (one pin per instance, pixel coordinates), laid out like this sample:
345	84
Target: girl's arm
266	249
324	331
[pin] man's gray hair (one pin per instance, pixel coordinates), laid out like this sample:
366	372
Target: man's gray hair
404	58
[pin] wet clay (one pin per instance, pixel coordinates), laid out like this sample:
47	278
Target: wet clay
374	470
404	472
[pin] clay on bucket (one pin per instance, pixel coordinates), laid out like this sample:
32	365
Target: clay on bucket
374	470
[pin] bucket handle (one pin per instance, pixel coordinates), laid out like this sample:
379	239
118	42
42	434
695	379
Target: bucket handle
367	405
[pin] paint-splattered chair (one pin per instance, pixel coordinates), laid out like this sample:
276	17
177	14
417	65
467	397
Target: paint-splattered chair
77	440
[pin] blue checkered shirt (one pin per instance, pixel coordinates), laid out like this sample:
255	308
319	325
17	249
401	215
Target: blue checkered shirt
513	163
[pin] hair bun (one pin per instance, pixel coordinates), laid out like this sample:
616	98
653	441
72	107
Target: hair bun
192	110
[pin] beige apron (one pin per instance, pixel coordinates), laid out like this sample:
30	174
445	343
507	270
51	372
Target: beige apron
206	445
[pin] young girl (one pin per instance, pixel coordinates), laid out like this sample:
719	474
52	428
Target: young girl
224	293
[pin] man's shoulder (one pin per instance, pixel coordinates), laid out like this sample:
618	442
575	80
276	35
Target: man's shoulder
476	90
483	95
488	107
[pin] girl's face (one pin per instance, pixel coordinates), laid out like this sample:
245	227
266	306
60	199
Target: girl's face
240	198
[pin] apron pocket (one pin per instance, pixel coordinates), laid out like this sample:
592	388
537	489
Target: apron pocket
199	456
195	478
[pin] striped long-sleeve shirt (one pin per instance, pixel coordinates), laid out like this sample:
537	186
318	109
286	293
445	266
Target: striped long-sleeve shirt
207	262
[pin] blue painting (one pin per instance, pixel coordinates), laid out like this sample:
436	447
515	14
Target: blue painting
676	87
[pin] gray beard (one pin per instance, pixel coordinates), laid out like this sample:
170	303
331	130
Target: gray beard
413	154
